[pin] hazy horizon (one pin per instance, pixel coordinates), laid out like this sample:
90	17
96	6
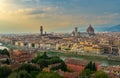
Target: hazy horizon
19	16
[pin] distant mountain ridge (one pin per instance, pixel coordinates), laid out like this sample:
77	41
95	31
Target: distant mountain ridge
115	28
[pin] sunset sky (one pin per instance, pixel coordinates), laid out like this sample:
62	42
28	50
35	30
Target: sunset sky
18	16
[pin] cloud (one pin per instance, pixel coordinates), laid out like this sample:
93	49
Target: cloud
34	12
57	14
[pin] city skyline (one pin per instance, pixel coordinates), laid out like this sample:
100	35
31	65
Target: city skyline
57	15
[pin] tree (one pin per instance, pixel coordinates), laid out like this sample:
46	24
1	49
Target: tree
48	75
7	61
34	74
89	69
45	61
91	66
36	58
13	75
20	74
86	73
0	51
4	52
23	74
4	72
100	74
94	68
28	67
44	56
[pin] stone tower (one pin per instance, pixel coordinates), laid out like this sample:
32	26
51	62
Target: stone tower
41	30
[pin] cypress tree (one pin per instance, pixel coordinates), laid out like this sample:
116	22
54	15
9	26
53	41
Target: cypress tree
94	67
91	66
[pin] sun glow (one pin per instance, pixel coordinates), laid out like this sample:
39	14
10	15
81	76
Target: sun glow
2	5
4	10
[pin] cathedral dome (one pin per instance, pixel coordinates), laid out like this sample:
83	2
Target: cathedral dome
90	29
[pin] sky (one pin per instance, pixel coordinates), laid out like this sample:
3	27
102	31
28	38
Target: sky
19	16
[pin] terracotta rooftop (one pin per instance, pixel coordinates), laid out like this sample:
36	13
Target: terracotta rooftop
75	62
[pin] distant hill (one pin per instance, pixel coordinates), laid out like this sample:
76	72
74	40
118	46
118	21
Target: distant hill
115	28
